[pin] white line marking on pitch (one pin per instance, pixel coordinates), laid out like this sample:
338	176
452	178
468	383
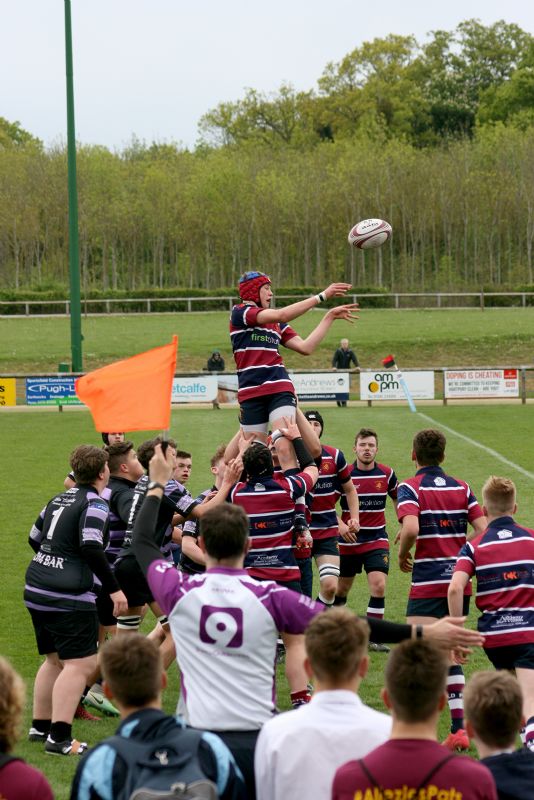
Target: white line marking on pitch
491	452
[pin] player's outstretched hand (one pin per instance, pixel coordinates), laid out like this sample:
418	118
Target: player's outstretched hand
345	532
337	289
450	634
233	471
161	466
291	429
346	312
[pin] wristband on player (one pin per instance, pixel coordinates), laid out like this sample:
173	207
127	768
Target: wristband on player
417	632
321	297
278	434
302	453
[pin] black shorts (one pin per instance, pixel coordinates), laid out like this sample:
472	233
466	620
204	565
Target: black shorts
133	582
104	609
371	561
511	656
70	634
242	745
437	607
293	585
326	547
257	410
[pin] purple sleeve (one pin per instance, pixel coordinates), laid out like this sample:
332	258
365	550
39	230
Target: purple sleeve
292	612
167	584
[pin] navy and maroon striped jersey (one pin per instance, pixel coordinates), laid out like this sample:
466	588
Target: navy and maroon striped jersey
260	369
502	559
333	472
270	506
58	577
444	506
373	487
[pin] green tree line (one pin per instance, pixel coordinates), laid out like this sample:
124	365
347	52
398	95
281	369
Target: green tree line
438	139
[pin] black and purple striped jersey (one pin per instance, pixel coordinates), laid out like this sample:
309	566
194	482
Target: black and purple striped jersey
176	500
68	528
191	528
260	369
121	493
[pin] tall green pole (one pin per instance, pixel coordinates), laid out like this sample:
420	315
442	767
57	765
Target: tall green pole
74	262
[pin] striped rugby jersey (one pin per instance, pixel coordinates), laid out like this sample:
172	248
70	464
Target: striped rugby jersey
502	559
58	577
260	369
333	472
444	506
373	487
270	506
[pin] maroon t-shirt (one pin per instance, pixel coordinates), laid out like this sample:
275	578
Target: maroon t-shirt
19	781
400	766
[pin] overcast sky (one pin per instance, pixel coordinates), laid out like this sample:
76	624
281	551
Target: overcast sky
153	67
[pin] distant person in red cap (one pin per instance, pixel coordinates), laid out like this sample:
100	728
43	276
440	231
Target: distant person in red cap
266	393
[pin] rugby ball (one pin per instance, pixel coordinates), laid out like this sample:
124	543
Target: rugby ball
370	233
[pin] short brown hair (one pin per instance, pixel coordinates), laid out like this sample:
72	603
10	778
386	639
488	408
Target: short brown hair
415	677
336	643
218	455
224	530
494	706
87	462
183	454
118	454
146	450
429	447
11	706
498	495
365	433
132	668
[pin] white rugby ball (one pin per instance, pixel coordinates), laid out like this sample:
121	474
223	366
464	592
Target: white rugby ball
370	233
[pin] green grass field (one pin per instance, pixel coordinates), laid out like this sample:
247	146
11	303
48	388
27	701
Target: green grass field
35	448
458	337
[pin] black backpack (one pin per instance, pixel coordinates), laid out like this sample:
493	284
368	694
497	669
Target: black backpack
167	768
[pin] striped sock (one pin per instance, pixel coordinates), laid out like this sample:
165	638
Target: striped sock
529	733
455	690
376	607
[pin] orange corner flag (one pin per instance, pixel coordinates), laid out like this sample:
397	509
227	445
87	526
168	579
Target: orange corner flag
133	394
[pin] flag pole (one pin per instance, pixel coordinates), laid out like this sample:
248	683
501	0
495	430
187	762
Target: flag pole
389	363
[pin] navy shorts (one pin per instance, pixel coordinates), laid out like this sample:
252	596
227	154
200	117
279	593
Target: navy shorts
259	410
511	656
371	561
70	634
325	547
437	607
104	608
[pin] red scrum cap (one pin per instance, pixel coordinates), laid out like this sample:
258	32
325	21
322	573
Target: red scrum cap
250	284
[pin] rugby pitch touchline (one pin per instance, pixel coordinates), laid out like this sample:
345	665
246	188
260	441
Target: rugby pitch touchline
474	442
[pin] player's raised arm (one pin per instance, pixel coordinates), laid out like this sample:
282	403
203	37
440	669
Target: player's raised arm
144	547
288	313
306	346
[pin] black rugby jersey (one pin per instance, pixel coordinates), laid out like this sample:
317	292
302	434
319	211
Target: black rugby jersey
64	537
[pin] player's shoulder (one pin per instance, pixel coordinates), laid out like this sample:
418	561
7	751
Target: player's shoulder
385	468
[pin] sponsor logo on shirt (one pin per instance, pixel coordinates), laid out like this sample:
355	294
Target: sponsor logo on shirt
504	534
259	487
510	619
440	482
221	626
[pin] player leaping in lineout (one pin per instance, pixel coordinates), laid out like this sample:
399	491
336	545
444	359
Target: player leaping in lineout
266	393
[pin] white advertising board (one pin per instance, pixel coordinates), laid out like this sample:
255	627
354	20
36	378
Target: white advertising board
481	383
385	385
308	386
194	390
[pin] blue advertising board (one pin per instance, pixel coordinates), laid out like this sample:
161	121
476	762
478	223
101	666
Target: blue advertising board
51	392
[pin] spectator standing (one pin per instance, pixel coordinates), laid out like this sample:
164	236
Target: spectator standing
343	357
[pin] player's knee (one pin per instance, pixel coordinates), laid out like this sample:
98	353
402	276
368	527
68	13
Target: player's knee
328	577
377	584
129	622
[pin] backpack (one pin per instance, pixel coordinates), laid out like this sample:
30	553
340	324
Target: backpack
167	768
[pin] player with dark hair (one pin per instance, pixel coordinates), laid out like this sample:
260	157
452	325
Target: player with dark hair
334	481
434	510
68	539
412	764
369	549
502	561
266	393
